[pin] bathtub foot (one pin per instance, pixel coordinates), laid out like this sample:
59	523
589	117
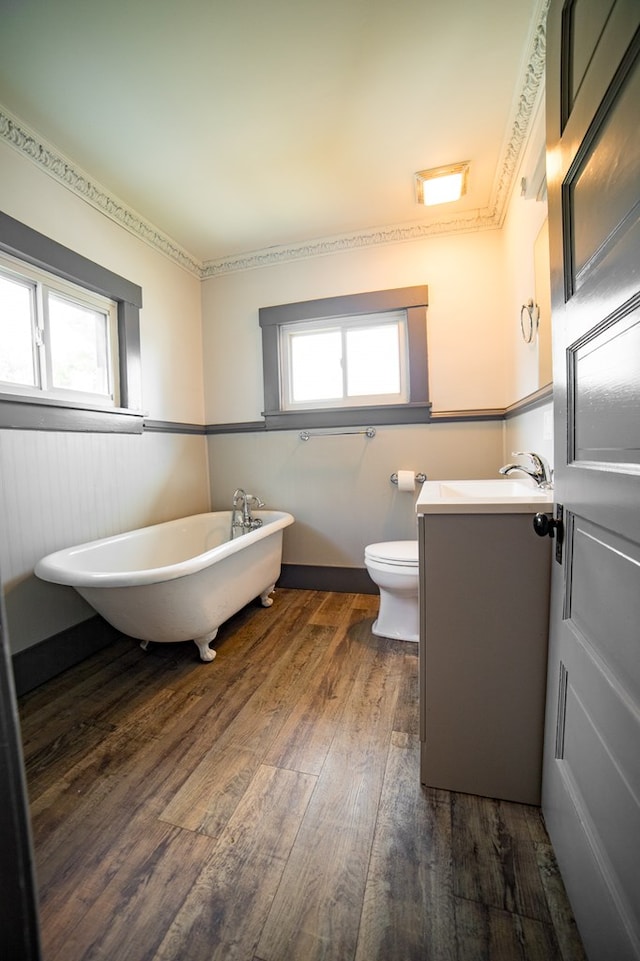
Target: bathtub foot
202	643
144	645
264	597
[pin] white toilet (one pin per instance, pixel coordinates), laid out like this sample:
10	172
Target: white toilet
393	566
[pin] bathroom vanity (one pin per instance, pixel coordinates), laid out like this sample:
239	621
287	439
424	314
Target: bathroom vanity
484	615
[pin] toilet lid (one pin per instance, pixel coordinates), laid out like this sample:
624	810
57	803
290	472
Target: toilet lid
402	553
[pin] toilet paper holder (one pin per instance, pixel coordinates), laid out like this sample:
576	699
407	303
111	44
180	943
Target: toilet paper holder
420	478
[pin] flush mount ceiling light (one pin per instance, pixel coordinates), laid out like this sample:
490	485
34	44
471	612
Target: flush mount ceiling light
441	185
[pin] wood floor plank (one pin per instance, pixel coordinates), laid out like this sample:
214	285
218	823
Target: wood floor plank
317	907
407	718
262	717
369	604
211	794
143	888
222	918
208	796
408	909
331	608
566	931
254	863
72	743
42	700
306	736
488	934
74	828
145	773
494	866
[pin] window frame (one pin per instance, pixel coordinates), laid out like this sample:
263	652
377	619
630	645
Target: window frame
31	411
413	300
45	289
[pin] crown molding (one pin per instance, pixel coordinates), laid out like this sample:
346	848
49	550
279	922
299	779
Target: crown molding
14	132
393	234
530	92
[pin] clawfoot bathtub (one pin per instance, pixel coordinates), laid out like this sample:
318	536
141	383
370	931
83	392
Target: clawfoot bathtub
175	581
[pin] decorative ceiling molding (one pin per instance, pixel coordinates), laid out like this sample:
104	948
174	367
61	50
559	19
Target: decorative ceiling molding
531	88
394	234
486	219
16	134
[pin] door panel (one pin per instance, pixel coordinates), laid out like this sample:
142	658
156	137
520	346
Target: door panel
605	185
603	400
586	21
605	576
591	782
607	806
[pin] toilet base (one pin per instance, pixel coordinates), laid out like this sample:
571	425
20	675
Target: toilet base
398	617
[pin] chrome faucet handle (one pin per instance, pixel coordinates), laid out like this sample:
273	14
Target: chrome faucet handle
256	501
536	458
540	465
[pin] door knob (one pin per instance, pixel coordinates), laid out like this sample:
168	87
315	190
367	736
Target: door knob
546	526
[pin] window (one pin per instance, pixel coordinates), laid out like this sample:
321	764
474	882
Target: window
344	362
70	347
350	360
55	337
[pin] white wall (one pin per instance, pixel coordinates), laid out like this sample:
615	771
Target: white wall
465	325
59	488
527	371
338	488
523	222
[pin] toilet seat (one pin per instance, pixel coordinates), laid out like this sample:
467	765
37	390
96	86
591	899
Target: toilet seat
393	554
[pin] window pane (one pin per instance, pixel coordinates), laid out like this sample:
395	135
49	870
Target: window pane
373	361
78	342
16	338
316	366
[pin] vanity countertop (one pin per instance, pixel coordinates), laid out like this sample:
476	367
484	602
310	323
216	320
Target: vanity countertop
498	496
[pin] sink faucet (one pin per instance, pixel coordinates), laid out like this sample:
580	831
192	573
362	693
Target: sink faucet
540	472
241	517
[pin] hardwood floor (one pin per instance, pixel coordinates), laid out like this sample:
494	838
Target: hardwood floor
267	807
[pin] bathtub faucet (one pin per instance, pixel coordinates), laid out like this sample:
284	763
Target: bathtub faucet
242	518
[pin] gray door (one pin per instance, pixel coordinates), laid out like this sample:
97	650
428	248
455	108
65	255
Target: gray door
591	789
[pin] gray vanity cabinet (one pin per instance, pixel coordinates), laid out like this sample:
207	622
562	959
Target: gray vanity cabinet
484	616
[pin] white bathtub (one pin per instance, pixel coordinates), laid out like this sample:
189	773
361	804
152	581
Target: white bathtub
175	581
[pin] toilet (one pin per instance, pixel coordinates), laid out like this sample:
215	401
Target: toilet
393	566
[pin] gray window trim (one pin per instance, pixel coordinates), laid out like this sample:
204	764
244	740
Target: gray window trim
44	413
412	299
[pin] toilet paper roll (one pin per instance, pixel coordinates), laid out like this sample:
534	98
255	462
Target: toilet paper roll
406	480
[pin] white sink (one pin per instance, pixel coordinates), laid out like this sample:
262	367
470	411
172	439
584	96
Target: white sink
499	496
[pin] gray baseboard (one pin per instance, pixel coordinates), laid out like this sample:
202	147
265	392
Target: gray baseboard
44	661
344	580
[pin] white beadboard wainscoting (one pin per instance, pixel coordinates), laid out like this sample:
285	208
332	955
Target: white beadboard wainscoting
63	488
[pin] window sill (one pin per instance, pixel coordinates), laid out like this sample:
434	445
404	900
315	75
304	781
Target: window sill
26	412
419	413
